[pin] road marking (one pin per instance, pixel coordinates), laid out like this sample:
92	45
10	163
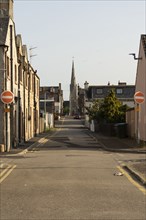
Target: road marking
120	155
62	121
41	141
6	172
141	188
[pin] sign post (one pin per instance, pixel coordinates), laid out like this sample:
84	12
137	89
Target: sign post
139	99
7	97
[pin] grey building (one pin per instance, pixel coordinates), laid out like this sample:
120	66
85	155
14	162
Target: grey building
124	92
52	97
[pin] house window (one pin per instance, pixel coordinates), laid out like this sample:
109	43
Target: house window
99	91
52	89
15	74
20	72
26	80
8	67
119	91
32	82
37	88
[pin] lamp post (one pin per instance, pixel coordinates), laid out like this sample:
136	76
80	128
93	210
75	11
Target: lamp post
45	111
139	99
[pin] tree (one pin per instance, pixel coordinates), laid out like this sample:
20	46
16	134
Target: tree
93	110
110	110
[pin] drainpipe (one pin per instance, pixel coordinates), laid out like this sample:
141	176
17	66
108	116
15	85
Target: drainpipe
24	85
35	117
6	113
29	121
19	104
11	105
5	105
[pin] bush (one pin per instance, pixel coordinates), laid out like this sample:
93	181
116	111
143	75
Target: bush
110	110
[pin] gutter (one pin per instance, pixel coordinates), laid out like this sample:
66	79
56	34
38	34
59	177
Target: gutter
5	105
11	71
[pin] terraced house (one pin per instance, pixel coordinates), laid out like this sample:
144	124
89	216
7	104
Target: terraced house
140	115
20	119
124	92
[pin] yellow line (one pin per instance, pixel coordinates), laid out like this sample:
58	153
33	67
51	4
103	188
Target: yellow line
141	188
7	174
4	171
41	141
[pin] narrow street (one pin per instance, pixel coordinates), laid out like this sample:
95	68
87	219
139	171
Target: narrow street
68	175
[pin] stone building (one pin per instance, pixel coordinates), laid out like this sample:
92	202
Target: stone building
20	119
140	114
52	96
124	92
73	108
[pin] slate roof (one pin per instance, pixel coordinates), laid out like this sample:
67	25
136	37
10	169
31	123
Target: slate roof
4	22
127	91
143	38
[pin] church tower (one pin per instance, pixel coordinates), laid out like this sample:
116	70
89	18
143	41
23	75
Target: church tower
6	9
73	93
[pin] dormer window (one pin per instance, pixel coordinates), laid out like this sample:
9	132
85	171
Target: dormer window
99	91
119	91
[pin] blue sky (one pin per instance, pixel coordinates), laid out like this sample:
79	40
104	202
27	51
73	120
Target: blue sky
98	34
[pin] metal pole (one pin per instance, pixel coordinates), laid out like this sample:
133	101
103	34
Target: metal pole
45	111
138	132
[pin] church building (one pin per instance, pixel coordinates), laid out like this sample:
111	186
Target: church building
73	93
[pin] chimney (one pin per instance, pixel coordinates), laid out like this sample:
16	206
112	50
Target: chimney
86	85
6	9
60	86
122	83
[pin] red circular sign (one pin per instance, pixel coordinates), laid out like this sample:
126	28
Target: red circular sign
7	97
139	97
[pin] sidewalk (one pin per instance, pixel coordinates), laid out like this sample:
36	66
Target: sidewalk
28	145
126	145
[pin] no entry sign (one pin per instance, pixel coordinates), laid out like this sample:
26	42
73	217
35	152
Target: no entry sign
139	97
7	97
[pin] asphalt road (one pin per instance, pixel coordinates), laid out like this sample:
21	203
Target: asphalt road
67	175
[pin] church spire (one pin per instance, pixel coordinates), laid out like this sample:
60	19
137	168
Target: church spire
73	92
73	80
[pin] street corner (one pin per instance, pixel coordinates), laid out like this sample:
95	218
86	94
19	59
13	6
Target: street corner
138	170
134	177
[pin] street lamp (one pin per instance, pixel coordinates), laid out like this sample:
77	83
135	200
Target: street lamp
134	56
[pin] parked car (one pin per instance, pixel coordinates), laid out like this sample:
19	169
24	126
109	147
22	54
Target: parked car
77	116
